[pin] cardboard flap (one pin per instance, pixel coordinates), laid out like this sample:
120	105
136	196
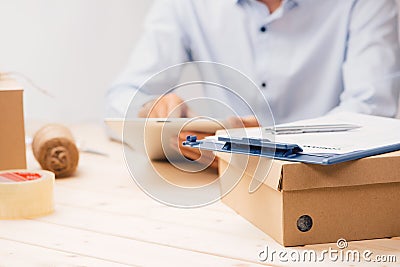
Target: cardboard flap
8	84
264	170
290	176
373	170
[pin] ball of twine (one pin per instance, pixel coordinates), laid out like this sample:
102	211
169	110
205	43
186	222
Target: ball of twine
55	149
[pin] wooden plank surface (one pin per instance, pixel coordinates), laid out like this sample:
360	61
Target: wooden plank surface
17	253
103	219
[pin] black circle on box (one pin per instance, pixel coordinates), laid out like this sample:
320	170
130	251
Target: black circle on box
304	223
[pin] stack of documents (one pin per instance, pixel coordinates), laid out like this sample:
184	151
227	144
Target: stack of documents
374	132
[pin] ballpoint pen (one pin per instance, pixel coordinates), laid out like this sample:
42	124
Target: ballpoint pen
321	128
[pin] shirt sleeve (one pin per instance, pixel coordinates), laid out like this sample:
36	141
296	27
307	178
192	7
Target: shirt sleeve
162	45
371	67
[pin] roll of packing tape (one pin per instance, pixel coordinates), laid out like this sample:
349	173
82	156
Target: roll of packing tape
55	149
25	194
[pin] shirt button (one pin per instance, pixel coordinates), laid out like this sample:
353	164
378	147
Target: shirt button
264	85
263	29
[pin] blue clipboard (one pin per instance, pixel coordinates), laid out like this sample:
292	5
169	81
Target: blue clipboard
280	151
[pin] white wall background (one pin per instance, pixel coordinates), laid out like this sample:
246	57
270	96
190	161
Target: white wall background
72	48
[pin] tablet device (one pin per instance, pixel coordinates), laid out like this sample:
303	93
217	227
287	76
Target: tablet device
158	137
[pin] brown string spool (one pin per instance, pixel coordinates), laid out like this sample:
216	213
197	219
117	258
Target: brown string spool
55	149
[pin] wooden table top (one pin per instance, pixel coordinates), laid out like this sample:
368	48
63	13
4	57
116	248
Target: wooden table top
102	218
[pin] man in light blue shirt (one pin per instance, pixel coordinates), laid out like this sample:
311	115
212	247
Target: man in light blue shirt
308	57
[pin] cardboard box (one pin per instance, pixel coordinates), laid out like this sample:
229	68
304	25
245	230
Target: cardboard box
301	204
12	133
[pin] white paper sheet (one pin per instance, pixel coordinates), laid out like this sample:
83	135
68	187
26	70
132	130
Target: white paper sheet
375	132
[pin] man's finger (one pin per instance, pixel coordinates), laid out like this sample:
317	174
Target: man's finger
201	157
175	109
190	153
159	111
243	122
250	121
190	113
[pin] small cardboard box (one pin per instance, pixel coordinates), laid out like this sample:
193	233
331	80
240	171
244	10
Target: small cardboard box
12	133
302	204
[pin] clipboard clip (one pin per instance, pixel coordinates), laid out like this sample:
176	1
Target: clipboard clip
252	146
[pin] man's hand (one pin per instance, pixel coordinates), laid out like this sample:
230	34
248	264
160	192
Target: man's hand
208	156
244	122
168	106
204	156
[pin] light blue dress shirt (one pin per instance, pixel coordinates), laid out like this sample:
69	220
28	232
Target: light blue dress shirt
308	57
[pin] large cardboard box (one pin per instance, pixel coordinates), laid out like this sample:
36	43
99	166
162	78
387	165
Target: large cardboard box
301	204
12	131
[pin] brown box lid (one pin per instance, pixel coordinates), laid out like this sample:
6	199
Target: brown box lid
291	176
